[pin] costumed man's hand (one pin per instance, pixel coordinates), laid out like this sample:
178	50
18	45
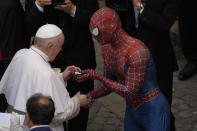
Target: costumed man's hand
88	74
42	3
69	72
67	7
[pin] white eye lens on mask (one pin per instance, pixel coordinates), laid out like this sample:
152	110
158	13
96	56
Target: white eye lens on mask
95	31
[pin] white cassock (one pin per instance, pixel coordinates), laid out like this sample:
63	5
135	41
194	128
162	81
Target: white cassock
28	73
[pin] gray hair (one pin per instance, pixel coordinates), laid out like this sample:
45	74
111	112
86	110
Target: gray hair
42	42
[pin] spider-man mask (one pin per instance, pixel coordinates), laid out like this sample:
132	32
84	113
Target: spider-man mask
104	23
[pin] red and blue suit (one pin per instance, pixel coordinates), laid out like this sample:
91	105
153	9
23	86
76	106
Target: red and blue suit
128	71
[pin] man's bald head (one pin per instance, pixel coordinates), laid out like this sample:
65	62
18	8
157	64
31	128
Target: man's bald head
40	109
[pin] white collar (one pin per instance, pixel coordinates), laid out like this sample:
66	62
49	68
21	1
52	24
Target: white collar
38	126
42	54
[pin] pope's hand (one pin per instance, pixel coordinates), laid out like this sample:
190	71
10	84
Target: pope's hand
43	2
83	99
69	72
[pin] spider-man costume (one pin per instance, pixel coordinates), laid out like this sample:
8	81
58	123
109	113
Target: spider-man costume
130	72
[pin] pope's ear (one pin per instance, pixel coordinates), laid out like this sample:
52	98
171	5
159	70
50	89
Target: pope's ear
49	45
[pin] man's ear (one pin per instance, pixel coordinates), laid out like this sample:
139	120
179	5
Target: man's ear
27	116
28	120
49	45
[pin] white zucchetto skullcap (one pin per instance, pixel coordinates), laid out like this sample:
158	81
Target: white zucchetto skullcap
48	31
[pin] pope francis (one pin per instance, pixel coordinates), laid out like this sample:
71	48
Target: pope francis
30	72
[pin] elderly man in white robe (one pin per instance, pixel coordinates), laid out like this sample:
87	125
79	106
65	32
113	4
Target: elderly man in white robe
30	72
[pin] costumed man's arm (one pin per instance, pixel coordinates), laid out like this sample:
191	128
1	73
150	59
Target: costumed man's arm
137	67
160	22
101	90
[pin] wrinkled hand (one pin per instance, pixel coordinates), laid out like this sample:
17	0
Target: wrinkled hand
67	7
42	3
69	72
137	3
83	99
88	74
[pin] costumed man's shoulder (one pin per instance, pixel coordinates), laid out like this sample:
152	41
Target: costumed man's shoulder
138	53
136	44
